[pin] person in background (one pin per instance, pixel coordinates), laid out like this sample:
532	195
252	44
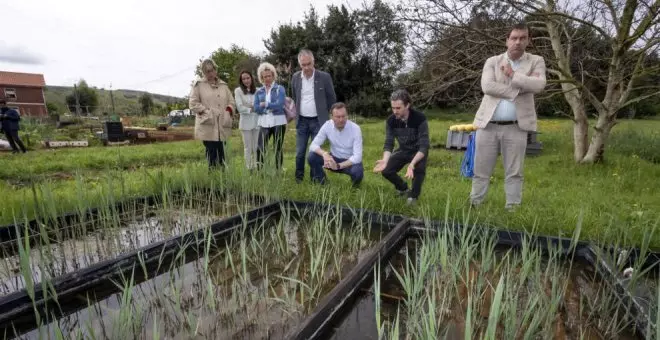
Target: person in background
410	128
213	104
506	114
269	105
345	154
248	123
10	118
314	94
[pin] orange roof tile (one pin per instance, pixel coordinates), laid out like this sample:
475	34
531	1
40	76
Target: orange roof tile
22	79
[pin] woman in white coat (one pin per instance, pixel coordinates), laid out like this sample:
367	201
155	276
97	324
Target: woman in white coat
248	123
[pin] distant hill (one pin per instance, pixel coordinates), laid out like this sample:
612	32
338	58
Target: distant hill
126	101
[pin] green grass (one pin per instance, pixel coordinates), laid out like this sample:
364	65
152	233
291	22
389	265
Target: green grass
67	162
616	200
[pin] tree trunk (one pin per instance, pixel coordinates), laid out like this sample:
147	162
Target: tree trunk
572	93
596	150
580	137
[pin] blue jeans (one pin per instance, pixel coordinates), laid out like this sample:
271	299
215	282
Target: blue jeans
356	171
306	130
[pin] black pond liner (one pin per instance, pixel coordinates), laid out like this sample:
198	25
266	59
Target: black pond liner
331	313
17	310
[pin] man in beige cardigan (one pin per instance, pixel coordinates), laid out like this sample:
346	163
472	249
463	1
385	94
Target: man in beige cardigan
506	115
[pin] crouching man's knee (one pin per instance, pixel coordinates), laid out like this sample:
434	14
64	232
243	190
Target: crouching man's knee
357	173
313	158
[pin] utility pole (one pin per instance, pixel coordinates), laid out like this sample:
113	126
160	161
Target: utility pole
112	100
75	92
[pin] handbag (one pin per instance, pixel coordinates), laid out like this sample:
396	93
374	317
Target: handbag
289	107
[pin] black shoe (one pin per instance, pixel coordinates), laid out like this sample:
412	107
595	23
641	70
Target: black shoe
403	193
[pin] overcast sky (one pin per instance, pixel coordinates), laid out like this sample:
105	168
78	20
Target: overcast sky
150	45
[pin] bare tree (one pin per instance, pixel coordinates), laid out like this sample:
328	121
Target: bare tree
601	79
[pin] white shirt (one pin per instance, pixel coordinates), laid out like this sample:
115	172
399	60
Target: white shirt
506	109
269	120
345	143
307	103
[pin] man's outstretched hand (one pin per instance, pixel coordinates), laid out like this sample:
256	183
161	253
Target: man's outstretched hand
380	166
410	172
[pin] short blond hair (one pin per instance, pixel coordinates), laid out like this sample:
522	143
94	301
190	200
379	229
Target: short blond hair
208	63
263	67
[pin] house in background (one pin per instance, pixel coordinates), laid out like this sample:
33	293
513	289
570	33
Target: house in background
25	92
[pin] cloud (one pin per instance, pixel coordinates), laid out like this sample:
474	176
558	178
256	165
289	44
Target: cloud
18	55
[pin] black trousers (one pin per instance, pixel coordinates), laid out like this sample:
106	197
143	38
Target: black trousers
15	141
397	161
215	153
277	132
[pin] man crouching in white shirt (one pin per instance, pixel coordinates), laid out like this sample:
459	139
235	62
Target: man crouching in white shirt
345	154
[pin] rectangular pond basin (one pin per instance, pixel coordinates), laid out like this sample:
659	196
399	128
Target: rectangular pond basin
259	284
433	287
68	248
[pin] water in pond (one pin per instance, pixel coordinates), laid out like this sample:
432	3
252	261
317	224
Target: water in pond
85	243
433	288
258	286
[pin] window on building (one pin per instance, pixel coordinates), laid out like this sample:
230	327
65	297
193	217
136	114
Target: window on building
10	94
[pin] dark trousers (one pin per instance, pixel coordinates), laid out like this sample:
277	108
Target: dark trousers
356	171
306	130
215	153
15	141
397	161
277	132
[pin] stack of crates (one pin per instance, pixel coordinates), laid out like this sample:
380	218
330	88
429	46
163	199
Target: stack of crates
458	136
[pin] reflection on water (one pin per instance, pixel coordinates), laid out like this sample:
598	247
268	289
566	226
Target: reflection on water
258	287
84	244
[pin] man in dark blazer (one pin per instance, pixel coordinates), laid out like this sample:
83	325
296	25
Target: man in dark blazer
314	94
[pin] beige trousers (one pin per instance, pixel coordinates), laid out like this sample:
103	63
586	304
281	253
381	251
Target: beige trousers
250	144
511	142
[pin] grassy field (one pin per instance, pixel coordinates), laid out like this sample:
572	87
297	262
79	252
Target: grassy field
616	201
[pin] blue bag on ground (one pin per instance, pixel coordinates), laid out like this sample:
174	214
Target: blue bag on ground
467	166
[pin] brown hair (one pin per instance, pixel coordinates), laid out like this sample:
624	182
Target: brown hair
519	26
337	106
246	90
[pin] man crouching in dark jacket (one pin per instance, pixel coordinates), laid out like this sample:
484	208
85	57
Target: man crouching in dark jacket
10	118
410	129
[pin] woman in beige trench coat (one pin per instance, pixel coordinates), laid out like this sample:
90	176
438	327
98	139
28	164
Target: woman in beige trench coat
213	104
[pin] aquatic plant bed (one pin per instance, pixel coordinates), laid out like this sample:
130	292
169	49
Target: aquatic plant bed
302	270
289	254
66	248
41	301
462	283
